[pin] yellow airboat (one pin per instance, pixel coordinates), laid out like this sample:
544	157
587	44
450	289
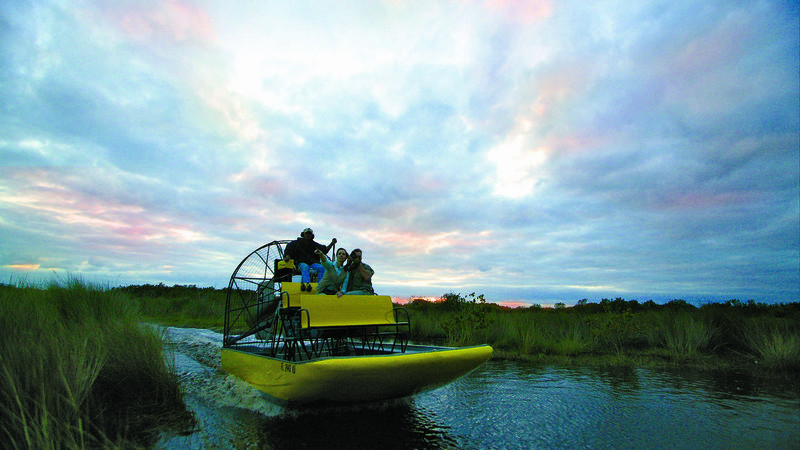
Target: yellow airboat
299	347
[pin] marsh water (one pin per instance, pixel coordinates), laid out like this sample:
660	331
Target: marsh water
501	405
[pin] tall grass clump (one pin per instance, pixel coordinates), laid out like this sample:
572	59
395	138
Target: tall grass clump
522	333
573	338
79	371
561	334
684	336
426	327
529	334
536	332
775	343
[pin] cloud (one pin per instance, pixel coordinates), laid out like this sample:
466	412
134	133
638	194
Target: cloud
171	21
534	151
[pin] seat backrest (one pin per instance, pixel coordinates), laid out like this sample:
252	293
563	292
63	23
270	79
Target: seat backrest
283	270
349	310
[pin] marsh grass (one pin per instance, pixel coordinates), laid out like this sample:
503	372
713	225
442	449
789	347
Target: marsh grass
573	339
181	306
775	344
529	333
613	331
78	370
427	327
682	335
685	336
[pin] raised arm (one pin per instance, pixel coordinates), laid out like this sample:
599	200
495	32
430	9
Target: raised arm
323	259
328	248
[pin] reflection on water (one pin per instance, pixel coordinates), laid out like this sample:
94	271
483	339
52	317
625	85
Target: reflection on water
388	425
519	406
511	405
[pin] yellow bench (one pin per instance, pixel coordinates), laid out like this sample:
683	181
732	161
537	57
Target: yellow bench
325	322
292	291
333	311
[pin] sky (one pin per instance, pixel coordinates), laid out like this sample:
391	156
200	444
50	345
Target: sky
531	151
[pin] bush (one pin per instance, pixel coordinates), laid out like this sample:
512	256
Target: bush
614	329
467	319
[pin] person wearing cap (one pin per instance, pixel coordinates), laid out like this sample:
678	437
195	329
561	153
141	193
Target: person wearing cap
302	251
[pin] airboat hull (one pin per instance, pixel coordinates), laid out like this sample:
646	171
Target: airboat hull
355	379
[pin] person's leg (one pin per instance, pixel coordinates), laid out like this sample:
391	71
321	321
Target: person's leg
320	271
357	293
305	277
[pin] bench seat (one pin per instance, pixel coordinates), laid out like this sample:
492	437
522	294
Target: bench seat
332	311
327	325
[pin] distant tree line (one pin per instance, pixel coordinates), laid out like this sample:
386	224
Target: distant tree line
163	291
452	302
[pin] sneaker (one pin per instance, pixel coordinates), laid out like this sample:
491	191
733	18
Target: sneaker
302	287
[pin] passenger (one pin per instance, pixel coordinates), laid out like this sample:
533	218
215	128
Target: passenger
359	276
334	276
301	250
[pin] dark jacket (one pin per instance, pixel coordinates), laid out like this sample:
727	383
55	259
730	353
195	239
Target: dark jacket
302	251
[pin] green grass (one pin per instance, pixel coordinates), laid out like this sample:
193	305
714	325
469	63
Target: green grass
79	370
427	327
620	332
685	336
612	331
179	306
774	343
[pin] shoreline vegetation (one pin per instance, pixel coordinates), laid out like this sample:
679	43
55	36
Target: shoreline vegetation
734	334
81	367
81	370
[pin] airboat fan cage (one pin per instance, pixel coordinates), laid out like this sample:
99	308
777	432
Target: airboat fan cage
253	294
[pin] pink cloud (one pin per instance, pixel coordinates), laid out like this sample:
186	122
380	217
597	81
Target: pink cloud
700	75
173	20
556	89
62	198
522	11
413	242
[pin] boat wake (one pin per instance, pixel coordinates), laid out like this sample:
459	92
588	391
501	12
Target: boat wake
232	413
196	356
